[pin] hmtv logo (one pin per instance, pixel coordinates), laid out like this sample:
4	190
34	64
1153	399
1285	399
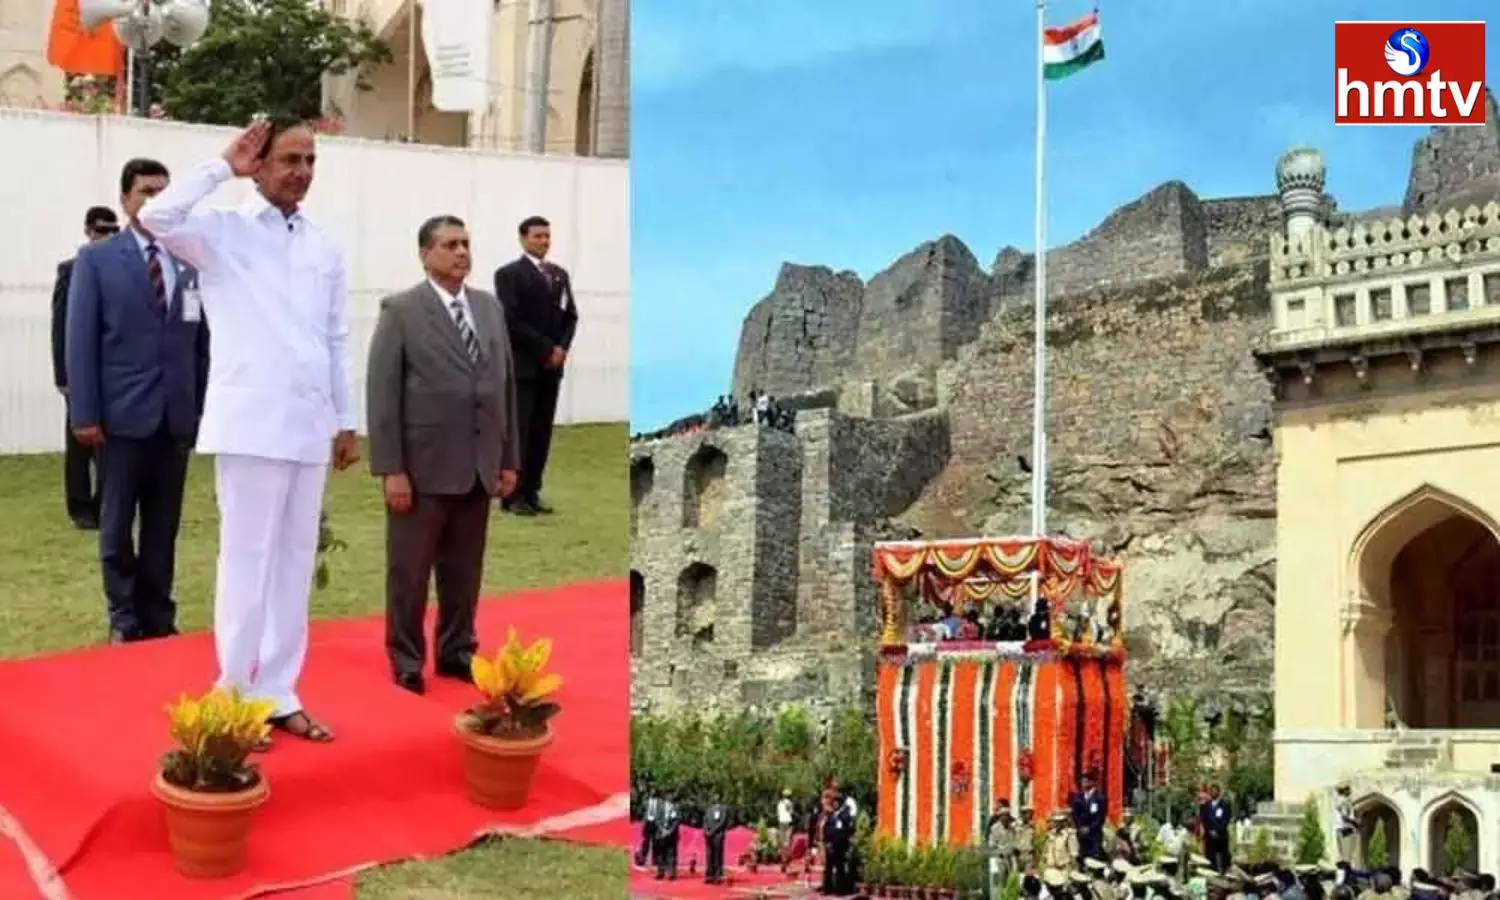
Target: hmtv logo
1408	73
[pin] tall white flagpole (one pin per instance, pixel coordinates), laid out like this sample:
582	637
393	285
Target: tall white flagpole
1039	393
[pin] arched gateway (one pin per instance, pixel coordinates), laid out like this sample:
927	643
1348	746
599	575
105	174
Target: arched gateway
1386	382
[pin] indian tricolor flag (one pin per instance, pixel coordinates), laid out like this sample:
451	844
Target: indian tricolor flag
1072	48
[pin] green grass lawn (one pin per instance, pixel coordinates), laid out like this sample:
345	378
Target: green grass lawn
53	600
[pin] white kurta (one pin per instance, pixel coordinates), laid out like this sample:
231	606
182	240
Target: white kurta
275	298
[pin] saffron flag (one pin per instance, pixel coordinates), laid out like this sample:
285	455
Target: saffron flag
79	52
1070	49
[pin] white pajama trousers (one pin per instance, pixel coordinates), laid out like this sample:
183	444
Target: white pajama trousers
269	516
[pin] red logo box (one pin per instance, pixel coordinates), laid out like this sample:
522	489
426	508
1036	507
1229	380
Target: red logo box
1447	89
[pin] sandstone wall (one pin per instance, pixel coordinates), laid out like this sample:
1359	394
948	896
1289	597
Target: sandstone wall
1240	228
921	310
1160	449
701	560
1455	166
1163	233
801	336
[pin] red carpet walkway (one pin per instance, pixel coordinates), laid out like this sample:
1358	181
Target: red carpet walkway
692	854
80	734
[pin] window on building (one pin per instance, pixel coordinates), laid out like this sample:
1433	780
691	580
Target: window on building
1296	313
1457	294
1492	289
1418	299
1380	304
1345	313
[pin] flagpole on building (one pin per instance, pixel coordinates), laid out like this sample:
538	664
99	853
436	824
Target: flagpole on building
1039	391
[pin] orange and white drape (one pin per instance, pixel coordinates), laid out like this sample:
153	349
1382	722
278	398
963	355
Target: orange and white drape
958	734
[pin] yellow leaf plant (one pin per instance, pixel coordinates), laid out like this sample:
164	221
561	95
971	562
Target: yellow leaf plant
517	689
215	735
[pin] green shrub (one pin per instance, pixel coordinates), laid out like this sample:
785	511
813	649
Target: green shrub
1377	855
1260	850
1012	888
747	760
1458	844
1311	850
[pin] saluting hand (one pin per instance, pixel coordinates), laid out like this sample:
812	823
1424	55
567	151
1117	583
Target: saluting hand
243	153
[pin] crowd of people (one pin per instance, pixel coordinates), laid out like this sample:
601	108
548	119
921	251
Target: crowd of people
225	332
1078	859
816	834
759	409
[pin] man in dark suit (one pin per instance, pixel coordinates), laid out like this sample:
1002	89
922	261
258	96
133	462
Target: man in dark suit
716	824
80	463
1089	812
1215	817
664	844
443	441
543	317
137	360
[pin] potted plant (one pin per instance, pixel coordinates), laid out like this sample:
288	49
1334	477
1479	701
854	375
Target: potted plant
207	785
503	737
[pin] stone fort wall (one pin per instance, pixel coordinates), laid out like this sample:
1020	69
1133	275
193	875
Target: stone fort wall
818	327
750	556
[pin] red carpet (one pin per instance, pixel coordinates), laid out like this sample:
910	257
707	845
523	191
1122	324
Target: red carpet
690	850
80	734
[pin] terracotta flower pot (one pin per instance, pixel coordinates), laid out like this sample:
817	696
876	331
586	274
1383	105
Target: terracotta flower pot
208	833
498	772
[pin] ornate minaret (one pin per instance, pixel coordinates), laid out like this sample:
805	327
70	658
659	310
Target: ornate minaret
1300	177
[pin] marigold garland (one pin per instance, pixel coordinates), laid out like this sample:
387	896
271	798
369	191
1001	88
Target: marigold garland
1044	740
1094	722
1067	731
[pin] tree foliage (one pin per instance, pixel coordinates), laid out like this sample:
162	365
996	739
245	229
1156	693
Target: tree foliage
1311	848
747	760
1231	747
1378	854
1458	844
263	56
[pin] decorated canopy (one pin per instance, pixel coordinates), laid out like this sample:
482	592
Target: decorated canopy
1066	573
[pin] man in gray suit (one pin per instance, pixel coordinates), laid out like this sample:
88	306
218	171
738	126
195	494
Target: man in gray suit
441	402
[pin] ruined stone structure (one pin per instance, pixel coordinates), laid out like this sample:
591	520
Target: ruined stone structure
1160	421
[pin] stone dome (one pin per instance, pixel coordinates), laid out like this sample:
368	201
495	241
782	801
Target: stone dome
1301	168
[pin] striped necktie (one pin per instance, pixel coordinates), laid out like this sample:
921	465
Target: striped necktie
466	331
154	272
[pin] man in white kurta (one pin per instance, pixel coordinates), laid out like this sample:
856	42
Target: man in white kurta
278	410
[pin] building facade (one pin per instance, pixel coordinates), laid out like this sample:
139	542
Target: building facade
587	87
588	82
1384	358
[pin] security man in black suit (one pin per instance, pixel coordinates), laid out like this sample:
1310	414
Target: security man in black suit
543	317
1215	817
1089	812
838	838
80	463
716	824
664	844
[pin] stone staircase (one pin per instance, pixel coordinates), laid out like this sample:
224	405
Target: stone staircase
1282	822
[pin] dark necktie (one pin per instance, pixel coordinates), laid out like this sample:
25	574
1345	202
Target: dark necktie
154	272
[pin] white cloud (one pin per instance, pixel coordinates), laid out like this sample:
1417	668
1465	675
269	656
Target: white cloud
676	41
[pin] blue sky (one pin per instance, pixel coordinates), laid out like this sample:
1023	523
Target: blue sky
846	132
